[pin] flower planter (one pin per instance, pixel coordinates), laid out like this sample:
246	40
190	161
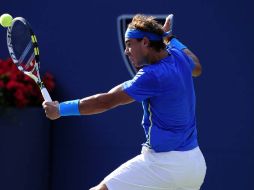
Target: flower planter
24	149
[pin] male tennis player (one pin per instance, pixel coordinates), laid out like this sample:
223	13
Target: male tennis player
170	158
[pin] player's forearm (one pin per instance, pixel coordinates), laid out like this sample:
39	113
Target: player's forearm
175	43
96	104
198	68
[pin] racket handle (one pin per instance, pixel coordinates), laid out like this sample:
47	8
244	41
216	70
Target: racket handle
46	95
171	16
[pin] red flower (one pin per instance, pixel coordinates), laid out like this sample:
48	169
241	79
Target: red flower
1	84
48	80
21	100
17	89
6	65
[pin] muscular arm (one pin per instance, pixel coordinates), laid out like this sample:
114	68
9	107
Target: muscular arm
198	69
168	26
105	101
93	104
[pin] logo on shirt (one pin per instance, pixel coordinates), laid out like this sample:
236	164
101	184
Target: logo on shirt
122	25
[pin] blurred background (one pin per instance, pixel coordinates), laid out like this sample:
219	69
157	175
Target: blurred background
79	46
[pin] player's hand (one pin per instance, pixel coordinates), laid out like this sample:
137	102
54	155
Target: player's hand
168	23
51	109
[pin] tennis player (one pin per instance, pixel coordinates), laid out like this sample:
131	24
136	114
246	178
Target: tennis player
170	158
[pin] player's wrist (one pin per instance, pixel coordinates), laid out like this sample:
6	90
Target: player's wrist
69	108
168	38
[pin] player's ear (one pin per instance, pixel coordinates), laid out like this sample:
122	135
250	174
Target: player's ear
145	42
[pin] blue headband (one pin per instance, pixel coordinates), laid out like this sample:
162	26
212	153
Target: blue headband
135	33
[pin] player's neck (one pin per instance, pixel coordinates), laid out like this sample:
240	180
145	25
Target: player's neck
155	56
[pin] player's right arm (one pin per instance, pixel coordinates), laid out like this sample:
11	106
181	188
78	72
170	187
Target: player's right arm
197	69
194	61
178	45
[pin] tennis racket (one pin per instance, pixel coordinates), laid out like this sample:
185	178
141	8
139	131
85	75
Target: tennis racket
24	51
171	17
170	26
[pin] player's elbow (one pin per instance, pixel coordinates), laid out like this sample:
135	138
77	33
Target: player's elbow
197	71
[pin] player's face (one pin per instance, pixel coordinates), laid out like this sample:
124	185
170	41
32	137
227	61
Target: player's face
135	51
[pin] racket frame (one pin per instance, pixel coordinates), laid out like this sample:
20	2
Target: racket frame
36	77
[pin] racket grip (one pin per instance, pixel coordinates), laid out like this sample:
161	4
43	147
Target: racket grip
171	22
46	95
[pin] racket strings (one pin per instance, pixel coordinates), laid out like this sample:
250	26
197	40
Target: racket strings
25	52
26	60
22	43
30	64
22	46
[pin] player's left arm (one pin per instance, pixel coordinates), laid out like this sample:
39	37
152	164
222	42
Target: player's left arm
89	105
105	101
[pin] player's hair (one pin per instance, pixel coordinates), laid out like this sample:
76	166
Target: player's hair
148	24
